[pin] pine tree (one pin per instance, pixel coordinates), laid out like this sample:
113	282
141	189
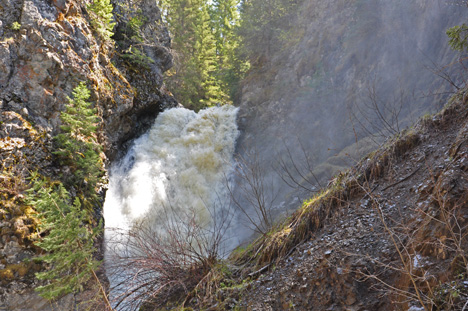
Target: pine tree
70	230
266	26
211	92
79	119
204	42
231	66
458	37
70	240
76	146
183	79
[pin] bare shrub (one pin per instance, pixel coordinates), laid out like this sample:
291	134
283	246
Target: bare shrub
454	74
257	186
254	193
296	170
405	255
379	118
149	265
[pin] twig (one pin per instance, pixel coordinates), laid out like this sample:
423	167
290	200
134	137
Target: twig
260	270
402	180
466	304
397	248
370	192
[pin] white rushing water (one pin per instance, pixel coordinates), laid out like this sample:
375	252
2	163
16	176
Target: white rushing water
181	163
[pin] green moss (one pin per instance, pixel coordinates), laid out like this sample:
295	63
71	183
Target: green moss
20	269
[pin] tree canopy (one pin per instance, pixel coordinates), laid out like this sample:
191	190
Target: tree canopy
205	44
214	42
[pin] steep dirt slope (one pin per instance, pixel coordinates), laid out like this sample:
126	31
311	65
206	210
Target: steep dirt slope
390	234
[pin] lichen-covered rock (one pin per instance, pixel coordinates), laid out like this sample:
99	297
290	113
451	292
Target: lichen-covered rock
56	48
140	29
23	300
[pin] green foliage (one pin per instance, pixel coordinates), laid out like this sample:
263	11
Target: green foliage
206	58
458	37
70	234
130	38
76	146
213	53
15	26
134	28
135	56
70	240
206	67
79	118
102	18
232	66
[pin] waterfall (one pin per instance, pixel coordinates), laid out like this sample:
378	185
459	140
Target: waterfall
179	165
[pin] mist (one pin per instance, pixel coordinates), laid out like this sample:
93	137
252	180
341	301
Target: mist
317	99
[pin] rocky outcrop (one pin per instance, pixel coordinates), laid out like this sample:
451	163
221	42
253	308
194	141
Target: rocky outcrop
47	47
145	76
55	48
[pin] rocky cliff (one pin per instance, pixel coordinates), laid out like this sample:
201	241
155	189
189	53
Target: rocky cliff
47	47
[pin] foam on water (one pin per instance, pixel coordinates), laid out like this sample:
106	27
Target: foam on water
181	163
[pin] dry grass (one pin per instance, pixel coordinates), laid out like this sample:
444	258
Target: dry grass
300	226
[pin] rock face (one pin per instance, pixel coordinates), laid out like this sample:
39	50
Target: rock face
145	77
47	47
55	48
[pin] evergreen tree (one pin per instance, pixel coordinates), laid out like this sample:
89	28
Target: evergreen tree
76	146
207	58
79	118
458	37
204	44
70	230
266	25
183	79
231	66
70	240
